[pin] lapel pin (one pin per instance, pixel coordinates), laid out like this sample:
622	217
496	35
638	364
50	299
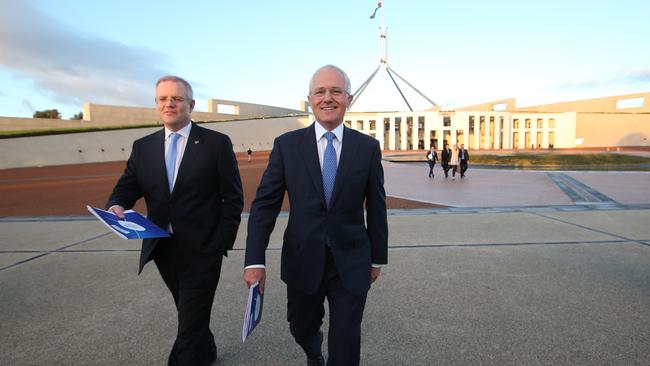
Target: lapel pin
196	142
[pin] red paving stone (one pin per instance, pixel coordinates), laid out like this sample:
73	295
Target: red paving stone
66	190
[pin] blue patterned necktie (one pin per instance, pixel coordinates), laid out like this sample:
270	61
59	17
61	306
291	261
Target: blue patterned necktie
170	160
329	167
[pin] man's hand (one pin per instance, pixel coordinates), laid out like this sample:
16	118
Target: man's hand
374	273
118	211
252	275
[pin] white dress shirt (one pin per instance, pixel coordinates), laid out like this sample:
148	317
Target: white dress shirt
184	135
180	146
321	142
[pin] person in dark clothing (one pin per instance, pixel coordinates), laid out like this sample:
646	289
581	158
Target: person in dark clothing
190	181
445	157
432	156
463	155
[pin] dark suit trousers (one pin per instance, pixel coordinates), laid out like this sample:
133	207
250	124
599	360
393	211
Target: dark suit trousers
463	167
432	164
305	314
192	281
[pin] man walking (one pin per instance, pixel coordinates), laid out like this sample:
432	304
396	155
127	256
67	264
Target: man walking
330	173
189	179
464	158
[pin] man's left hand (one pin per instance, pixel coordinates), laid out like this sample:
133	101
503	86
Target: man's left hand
374	273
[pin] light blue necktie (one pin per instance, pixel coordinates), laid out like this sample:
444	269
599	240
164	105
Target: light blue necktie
329	167
170	159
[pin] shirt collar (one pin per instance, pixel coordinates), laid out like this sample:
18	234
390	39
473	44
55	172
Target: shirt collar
320	131
185	131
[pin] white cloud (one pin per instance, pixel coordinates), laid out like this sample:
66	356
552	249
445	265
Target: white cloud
639	76
71	67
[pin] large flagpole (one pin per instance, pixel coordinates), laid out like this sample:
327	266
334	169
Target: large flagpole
383	62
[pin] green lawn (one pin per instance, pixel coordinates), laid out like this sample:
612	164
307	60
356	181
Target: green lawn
571	160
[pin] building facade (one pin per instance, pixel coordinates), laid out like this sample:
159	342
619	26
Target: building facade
477	130
601	122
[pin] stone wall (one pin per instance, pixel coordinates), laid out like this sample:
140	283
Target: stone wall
93	147
613	129
100	115
602	105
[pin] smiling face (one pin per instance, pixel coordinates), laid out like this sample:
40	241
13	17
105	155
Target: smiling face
174	104
329	98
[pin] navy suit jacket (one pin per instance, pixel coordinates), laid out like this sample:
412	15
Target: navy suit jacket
294	167
465	157
205	205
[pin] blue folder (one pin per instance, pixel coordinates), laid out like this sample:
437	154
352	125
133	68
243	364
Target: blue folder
253	314
134	225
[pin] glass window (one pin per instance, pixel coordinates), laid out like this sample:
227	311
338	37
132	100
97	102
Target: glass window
540	123
372	124
515	123
421	122
551	123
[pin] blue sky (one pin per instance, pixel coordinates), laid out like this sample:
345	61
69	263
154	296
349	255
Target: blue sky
62	53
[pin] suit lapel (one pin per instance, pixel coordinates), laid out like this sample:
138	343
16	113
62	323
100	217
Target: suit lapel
310	156
192	149
160	170
349	150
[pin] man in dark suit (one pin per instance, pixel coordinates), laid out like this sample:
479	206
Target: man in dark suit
189	179
329	172
432	157
463	155
445	157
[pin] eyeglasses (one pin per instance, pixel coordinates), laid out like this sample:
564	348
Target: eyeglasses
336	93
173	99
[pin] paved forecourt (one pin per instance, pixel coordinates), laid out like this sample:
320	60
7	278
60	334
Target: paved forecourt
524	268
498	188
506	286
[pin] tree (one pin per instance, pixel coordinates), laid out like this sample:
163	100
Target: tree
48	113
79	115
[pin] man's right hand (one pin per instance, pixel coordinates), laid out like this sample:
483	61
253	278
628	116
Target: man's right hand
118	211
252	275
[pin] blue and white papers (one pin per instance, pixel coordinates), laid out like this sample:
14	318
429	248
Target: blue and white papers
134	225
253	314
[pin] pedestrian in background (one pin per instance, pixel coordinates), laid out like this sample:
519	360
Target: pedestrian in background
464	158
445	156
453	161
432	156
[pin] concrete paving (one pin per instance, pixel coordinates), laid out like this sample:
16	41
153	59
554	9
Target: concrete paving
502	188
516	274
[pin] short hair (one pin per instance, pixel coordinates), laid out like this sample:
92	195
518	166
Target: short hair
348	87
190	92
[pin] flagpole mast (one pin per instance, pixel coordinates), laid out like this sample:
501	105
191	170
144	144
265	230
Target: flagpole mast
383	34
383	64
